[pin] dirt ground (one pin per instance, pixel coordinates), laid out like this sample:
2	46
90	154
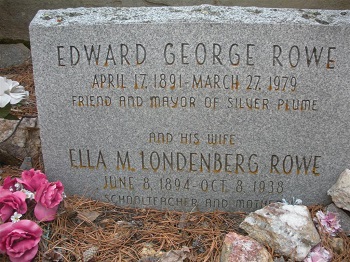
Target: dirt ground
88	230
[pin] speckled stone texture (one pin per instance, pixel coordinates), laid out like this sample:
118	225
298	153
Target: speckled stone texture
287	229
193	108
340	191
13	55
25	142
238	248
343	217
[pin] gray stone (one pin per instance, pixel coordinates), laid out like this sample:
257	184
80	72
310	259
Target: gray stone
340	191
26	164
287	229
238	248
13	55
17	144
15	15
279	259
269	85
343	217
337	244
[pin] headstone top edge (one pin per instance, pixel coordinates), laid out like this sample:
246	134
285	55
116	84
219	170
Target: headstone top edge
194	14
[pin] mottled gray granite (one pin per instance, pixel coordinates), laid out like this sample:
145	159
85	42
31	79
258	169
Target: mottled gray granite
343	217
13	55
130	99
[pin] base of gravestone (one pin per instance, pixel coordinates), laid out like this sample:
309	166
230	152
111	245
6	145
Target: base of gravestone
87	229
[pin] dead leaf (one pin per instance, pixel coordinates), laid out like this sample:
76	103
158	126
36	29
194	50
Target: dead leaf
147	250
67	209
182	223
175	255
52	256
88	216
149	259
89	254
106	222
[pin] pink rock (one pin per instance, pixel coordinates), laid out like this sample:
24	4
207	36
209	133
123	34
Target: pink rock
237	248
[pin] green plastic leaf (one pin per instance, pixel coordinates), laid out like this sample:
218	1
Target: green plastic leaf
4	111
11	117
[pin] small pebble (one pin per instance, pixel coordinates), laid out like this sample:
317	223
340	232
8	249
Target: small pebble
27	164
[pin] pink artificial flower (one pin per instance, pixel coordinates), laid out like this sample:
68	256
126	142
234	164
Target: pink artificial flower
48	197
20	240
318	254
32	179
11	202
11	184
329	222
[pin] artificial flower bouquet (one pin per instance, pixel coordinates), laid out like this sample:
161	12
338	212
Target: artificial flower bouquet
327	223
11	93
19	239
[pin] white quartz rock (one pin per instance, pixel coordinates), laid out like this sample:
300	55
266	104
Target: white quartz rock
288	229
340	191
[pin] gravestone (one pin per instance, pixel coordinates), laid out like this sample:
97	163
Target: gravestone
193	108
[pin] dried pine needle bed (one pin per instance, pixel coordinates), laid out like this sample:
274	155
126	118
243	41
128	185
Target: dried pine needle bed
89	230
106	232
126	234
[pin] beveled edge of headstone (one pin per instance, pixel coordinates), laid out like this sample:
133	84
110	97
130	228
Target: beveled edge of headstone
195	14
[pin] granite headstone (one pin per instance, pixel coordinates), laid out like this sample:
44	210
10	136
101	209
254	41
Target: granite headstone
194	108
